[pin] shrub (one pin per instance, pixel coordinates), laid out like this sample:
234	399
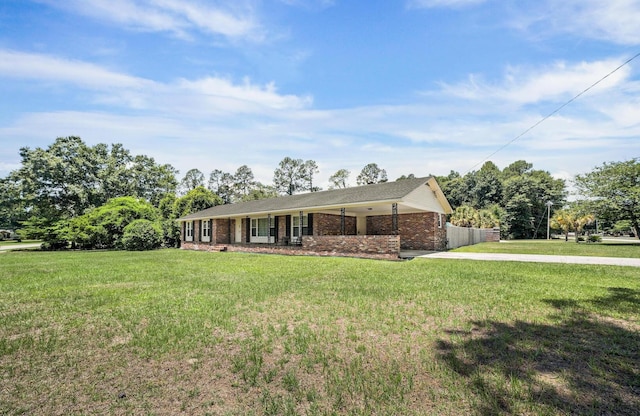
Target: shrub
141	235
595	239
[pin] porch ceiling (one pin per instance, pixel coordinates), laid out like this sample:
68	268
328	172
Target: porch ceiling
371	209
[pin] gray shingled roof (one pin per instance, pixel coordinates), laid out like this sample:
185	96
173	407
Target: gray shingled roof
381	192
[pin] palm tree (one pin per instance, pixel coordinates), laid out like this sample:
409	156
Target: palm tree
563	219
571	220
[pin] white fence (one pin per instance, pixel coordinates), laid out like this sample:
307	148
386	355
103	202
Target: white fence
464	236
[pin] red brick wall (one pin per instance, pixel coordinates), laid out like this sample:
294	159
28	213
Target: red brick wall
222	231
290	250
417	231
369	244
329	224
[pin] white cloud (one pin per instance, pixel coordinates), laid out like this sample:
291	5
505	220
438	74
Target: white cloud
181	18
612	20
212	122
559	81
206	96
219	92
23	65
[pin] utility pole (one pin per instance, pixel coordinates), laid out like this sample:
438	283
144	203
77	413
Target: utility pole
549	203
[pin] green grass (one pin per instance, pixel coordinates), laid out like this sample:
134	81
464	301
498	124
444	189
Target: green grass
170	331
624	248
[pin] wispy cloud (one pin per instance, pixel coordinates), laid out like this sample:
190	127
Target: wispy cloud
526	85
15	64
613	20
453	127
183	19
206	96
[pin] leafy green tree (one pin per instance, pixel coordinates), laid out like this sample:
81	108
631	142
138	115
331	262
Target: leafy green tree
614	191
339	180
103	227
487	186
142	235
371	174
12	209
192	180
409	176
455	188
195	200
152	181
64	180
517	168
261	191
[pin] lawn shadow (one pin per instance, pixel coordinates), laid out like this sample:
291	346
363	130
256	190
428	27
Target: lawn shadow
585	364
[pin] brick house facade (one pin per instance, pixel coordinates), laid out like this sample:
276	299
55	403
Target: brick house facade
370	221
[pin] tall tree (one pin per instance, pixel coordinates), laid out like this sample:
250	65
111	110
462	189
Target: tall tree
192	180
310	170
525	198
260	191
517	168
215	180
371	174
289	177
195	200
243	181
614	190
69	177
339	180
487	186
12	206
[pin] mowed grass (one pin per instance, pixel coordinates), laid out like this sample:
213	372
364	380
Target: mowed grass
608	248
183	332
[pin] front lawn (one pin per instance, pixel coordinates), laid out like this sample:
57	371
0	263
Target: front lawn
621	248
185	332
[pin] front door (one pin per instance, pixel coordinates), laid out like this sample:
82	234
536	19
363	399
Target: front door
238	231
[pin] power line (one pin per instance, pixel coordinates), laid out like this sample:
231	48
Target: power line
555	111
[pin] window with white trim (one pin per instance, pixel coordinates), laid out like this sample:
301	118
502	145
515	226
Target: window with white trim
295	225
188	231
260	227
206	230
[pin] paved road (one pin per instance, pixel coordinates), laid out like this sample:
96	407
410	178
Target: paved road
19	246
536	258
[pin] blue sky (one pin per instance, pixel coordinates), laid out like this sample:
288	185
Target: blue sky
416	86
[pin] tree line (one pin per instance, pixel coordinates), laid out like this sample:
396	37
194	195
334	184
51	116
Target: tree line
85	195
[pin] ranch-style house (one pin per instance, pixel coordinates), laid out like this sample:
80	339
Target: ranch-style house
365	221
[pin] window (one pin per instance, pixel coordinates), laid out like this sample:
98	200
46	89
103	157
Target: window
260	227
206	230
188	231
295	225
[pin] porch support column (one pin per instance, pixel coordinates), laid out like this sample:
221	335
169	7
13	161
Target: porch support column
268	228
300	226
394	218
342	213
229	229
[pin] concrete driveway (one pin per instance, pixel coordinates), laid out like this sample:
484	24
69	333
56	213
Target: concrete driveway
535	258
19	246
